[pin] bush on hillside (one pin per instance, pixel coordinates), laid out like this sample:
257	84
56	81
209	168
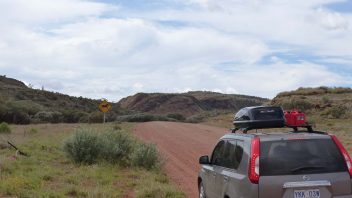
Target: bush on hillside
316	91
19	118
13	115
143	118
96	117
48	116
300	104
176	116
26	106
336	112
195	119
72	116
4	128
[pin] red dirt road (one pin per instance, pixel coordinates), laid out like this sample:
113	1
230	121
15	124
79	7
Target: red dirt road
181	144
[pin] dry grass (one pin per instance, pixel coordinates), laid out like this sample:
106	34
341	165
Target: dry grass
49	173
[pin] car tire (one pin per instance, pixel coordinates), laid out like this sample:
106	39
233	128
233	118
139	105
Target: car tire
201	191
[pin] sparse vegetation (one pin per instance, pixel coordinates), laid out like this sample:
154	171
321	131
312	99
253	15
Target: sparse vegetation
49	173
20	104
335	112
143	117
300	104
331	103
114	146
316	91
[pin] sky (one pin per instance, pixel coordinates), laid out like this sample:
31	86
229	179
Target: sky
112	49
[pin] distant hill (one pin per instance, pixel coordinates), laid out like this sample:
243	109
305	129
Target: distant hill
326	102
188	104
22	105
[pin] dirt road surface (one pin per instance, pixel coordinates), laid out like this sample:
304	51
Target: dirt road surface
181	144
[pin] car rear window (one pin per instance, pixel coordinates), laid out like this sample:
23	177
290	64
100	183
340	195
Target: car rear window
306	156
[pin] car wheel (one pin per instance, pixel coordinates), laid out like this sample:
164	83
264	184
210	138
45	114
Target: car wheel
201	190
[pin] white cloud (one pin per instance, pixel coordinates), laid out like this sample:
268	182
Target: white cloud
332	20
48	11
73	47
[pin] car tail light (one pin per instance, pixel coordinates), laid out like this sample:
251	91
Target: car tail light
253	172
344	152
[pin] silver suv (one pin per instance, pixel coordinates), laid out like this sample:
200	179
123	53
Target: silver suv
274	165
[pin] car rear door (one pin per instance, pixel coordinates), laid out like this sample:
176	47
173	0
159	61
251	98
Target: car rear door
304	168
211	171
230	178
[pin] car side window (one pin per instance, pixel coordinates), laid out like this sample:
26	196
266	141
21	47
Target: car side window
217	157
233	154
238	153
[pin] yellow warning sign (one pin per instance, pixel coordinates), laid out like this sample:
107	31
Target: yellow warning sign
104	106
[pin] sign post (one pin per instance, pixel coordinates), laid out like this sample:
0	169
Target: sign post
104	107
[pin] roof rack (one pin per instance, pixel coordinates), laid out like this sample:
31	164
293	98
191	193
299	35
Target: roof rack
309	129
260	117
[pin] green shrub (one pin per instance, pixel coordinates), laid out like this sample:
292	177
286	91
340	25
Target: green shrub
195	119
72	116
116	146
176	116
27	106
5	128
83	146
143	117
146	156
48	116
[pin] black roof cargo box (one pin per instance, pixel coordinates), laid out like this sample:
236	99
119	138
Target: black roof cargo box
259	117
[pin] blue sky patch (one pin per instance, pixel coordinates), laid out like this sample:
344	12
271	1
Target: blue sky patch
345	6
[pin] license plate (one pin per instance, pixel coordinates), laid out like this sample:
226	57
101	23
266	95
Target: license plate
313	193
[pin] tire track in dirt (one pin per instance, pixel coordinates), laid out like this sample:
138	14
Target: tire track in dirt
181	144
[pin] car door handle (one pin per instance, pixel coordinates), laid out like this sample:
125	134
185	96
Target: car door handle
226	178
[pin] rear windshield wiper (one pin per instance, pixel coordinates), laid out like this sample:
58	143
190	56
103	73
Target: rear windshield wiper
303	168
